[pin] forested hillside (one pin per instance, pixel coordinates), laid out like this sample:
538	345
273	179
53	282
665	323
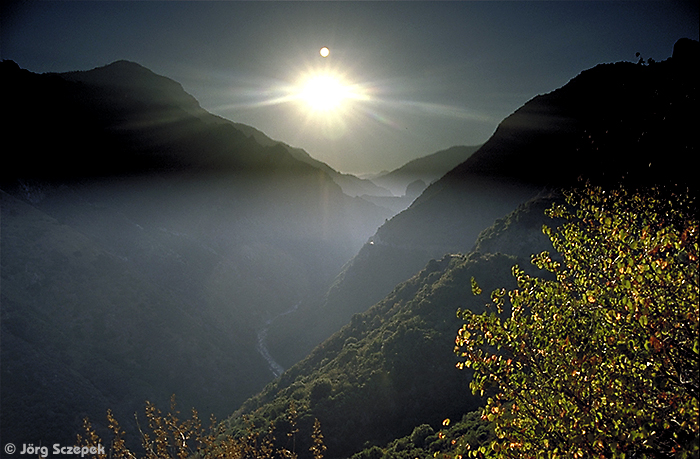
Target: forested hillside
392	367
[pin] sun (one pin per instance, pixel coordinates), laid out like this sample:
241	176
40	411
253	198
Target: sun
325	93
325	52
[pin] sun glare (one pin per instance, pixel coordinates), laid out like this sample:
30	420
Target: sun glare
324	93
329	100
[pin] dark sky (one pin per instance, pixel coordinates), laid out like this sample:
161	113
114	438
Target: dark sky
417	76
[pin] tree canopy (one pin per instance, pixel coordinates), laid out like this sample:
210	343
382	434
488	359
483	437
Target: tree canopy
600	357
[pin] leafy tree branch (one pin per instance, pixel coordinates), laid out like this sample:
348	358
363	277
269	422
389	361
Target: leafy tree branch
601	359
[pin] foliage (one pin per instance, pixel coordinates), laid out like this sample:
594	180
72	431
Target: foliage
641	61
468	433
168	437
601	361
317	448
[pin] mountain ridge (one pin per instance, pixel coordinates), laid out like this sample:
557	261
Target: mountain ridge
158	236
124	83
427	168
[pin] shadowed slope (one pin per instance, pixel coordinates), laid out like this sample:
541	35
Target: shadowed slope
145	242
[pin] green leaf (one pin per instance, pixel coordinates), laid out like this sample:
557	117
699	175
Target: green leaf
476	290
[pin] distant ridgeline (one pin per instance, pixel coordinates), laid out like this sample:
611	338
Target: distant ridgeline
390	368
123	119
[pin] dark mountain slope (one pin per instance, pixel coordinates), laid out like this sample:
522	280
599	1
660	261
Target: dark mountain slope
157	238
124	122
117	120
110	110
392	367
351	185
82	330
130	80
611	121
615	122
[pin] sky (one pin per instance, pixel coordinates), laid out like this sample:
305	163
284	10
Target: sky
402	79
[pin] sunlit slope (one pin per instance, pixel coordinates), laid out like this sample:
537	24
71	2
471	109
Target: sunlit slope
614	122
392	367
351	185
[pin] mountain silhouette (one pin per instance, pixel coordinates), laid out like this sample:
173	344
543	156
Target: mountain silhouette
613	122
351	184
145	245
409	180
141	122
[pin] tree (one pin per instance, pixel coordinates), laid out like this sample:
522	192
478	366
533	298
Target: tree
600	359
317	448
169	437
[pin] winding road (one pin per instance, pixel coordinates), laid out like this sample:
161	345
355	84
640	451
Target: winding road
275	367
